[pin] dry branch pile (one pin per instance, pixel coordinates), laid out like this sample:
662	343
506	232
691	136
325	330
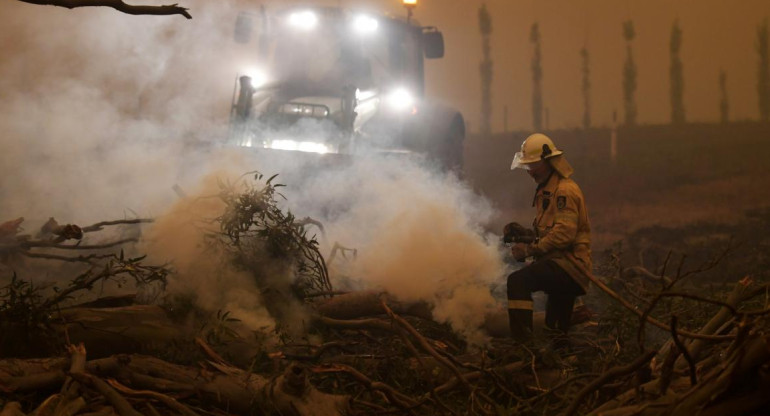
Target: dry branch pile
659	347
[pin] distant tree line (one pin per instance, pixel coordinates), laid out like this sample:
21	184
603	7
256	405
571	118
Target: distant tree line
629	76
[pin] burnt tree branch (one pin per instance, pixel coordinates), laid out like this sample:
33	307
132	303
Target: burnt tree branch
607	376
118	5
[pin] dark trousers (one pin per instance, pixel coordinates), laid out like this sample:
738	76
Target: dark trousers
546	276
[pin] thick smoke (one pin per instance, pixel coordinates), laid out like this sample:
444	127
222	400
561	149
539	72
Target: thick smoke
200	269
417	233
98	106
103	113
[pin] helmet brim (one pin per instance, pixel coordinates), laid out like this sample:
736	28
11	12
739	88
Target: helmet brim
520	161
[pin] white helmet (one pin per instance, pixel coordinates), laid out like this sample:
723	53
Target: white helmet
535	148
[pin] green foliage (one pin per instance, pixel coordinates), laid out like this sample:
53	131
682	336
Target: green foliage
219	330
117	269
263	239
27	310
22	303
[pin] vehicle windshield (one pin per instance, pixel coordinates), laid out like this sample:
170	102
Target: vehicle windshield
337	52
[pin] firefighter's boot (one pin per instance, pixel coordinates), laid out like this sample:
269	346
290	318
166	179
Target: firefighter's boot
520	323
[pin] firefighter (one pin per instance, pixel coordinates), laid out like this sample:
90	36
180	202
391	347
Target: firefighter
562	247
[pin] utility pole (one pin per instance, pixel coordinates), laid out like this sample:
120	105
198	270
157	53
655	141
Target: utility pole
409	5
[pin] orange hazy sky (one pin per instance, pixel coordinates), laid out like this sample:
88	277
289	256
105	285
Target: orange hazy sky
717	34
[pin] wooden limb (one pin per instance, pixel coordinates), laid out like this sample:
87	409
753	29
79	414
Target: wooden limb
33	382
643	272
683	295
646	314
166	400
355	305
434	397
737	295
292	394
326	294
233	389
77	358
104	411
71	402
86	281
754	352
100	225
607	376
369	323
118	330
118	5
153	411
394	396
475	375
70	407
681	347
11	228
209	352
667	370
48	406
12	409
620	400
310	221
752	402
652	320
426	345
50	244
74	259
120	404
338	248
317	350
554	389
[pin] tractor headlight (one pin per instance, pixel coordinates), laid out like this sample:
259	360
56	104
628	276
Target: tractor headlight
365	25
401	99
258	78
303	20
310	147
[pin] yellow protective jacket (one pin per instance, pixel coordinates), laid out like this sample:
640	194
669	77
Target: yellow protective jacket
562	227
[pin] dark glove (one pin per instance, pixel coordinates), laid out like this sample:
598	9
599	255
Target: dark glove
520	251
514	232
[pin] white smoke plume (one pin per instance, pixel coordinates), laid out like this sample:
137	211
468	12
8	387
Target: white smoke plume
103	113
418	234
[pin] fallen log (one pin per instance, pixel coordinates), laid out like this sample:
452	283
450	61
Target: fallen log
367	303
12	409
110	331
224	387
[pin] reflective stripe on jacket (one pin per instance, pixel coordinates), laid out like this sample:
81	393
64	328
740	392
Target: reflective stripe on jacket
562	227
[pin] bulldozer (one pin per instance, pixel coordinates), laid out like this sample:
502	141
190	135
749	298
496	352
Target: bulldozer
331	80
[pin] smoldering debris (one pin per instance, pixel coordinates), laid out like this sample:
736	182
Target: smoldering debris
389	357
